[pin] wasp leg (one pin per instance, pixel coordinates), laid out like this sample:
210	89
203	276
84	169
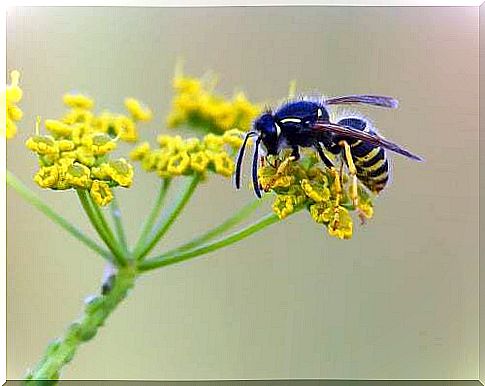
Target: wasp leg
333	170
323	157
295	153
352	170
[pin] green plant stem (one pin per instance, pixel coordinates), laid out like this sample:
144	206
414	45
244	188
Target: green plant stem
231	222
102	220
97	224
62	350
164	224
172	258
152	217
38	203
118	222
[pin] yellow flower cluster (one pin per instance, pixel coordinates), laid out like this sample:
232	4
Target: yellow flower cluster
323	192
76	152
196	106
176	156
119	125
13	95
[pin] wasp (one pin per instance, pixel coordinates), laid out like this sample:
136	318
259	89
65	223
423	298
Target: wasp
305	123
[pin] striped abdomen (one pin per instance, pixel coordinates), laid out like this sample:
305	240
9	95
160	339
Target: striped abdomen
370	161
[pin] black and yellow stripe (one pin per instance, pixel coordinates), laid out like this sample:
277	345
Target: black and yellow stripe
373	169
370	161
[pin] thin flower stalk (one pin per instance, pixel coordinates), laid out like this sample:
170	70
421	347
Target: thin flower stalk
164	225
45	208
169	259
154	214
118	223
96	223
230	223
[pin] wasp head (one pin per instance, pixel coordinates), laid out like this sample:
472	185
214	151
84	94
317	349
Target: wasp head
267	130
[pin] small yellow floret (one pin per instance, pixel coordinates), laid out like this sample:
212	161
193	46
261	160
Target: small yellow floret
139	152
341	225
199	161
12	96
119	171
137	111
79	101
223	164
58	128
42	144
178	164
284	205
47	177
78	175
314	191
99	143
101	193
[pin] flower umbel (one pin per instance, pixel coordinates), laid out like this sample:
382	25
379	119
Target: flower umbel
76	152
196	105
325	193
176	156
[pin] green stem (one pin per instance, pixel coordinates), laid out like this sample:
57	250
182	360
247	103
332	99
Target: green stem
164	224
231	222
102	220
118	222
97	224
37	202
155	212
62	350
172	258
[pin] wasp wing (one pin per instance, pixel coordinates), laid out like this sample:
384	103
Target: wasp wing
373	139
376	100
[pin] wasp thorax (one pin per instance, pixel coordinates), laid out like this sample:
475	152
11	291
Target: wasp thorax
267	128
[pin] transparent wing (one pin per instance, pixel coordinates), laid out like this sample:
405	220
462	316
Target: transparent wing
376	100
373	139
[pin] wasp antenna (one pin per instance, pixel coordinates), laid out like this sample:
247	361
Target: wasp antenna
255	168
240	158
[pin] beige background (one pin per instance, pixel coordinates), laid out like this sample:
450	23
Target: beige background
398	301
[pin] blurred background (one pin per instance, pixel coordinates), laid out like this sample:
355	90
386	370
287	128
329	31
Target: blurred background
399	300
